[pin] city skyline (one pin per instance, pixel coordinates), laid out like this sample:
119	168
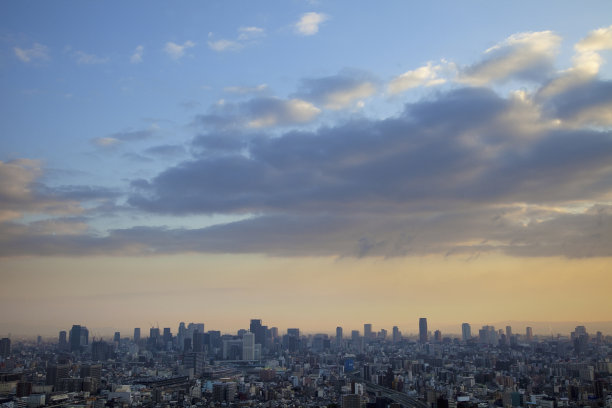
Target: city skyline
310	162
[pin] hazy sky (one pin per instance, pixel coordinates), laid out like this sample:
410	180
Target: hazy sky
310	163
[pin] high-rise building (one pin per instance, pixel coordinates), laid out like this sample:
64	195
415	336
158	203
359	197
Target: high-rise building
117	337
5	347
367	332
338	337
79	337
63	340
423	330
508	332
258	331
136	334
438	336
466	332
56	372
198	342
529	333
397	336
248	346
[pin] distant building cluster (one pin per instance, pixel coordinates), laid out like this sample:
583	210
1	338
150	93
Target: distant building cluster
259	367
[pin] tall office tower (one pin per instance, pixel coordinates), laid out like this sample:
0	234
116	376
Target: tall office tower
466	331
63	340
423	330
294	332
438	336
338	337
136	334
79	337
257	329
167	336
248	346
197	327
198	342
508	332
180	335
274	332
529	333
396	335
5	347
117	337
367	332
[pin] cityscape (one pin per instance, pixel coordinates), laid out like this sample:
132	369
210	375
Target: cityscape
260	367
306	203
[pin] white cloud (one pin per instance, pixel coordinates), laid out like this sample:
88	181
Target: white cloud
177	51
137	55
88	59
524	55
309	23
597	40
38	51
426	75
248	33
224	45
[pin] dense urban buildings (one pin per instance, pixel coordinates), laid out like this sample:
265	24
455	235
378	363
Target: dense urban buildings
259	366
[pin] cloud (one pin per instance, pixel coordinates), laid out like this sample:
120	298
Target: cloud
597	40
177	51
526	56
166	151
338	91
115	139
224	45
249	33
242	90
427	75
309	23
37	52
137	55
83	58
245	36
20	193
259	112
460	172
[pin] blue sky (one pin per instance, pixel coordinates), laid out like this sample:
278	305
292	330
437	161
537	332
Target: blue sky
306	128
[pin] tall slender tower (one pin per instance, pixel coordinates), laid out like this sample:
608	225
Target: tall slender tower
423	330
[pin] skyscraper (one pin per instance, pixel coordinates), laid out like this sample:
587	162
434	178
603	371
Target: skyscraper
338	337
63	340
466	332
5	347
367	332
423	330
529	333
248	346
117	337
79	337
397	336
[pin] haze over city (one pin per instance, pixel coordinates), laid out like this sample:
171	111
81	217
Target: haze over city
313	164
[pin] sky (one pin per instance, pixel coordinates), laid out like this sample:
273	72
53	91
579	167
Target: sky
309	163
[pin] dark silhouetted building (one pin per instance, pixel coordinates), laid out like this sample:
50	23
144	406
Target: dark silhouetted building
423	330
5	347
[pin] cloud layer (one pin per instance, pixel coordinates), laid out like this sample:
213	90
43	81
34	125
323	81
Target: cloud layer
464	170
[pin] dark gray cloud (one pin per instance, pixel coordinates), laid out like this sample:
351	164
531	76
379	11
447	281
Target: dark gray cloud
338	91
446	150
586	102
166	151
